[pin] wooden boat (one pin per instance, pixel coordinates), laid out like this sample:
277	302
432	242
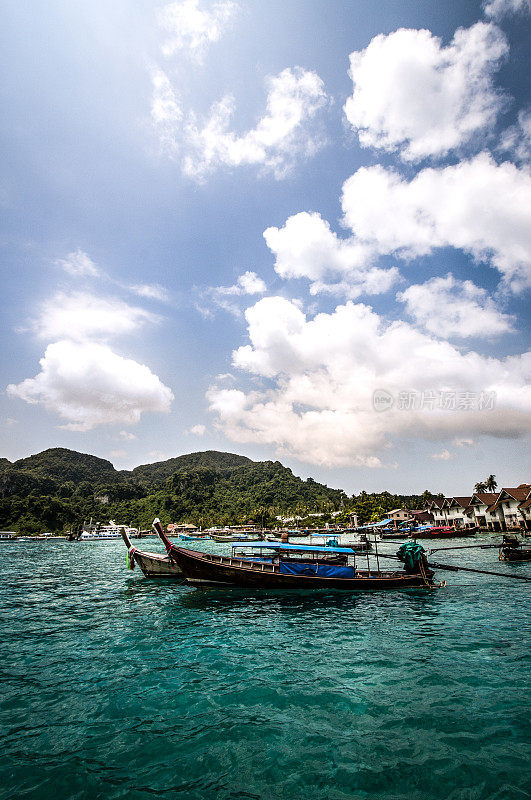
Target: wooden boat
153	565
362	545
237	537
394	534
293	566
442	532
512	549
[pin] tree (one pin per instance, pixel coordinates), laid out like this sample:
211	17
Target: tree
491	484
480	487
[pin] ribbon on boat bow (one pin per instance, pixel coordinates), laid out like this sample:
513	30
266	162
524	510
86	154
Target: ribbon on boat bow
130	558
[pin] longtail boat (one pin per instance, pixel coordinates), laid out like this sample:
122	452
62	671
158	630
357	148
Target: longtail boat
153	565
513	549
442	532
294	566
250	536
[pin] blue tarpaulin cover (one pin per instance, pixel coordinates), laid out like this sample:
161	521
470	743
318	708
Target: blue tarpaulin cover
321	570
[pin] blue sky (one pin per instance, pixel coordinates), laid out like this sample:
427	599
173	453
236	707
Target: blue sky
228	225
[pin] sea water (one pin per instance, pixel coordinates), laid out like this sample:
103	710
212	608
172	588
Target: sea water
117	686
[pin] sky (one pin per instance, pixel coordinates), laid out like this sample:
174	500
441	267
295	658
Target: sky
296	230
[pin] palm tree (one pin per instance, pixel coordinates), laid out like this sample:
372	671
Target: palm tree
480	487
491	484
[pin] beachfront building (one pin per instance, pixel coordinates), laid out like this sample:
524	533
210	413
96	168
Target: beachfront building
435	507
497	511
478	510
511	508
398	515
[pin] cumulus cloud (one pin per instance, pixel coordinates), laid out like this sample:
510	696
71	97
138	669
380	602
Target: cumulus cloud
197	430
500	8
285	132
127	435
81	315
248	283
451	308
79	264
88	384
306	247
321	375
477	205
191	28
414	95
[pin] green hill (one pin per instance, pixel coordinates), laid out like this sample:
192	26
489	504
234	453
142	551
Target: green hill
61	465
59	488
209	459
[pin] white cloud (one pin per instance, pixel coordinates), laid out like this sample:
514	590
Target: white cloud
80	264
197	430
321	374
463	442
152	291
478	206
248	283
191	28
127	435
88	384
444	455
223	296
516	140
166	112
281	136
499	8
450	308
80	315
413	94
306	247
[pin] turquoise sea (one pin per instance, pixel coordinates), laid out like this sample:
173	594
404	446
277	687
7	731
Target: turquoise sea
115	686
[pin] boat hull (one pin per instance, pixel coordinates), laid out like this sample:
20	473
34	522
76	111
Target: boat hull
455	533
205	569
515	554
156	565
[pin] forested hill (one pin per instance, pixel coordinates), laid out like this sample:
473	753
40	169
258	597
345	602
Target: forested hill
61	465
59	488
209	459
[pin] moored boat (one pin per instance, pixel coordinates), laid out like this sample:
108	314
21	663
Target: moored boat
153	565
294	566
97	532
513	549
251	536
441	532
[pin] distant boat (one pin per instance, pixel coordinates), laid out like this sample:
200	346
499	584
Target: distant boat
230	536
441	532
513	549
97	532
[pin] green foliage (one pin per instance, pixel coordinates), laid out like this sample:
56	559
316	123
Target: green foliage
58	489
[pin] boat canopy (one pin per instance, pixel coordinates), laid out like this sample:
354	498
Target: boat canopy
376	524
306	548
